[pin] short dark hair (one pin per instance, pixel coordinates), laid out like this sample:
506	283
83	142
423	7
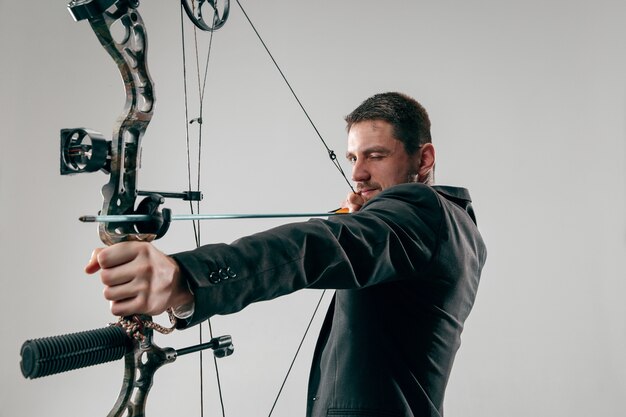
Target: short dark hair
410	121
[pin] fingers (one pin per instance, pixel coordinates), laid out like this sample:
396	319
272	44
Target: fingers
130	306
121	253
138	278
93	266
103	258
127	274
122	284
123	262
121	308
354	202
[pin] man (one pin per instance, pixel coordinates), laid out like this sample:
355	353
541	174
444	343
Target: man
405	264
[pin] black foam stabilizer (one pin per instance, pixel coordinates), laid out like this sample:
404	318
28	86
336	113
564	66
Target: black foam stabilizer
52	355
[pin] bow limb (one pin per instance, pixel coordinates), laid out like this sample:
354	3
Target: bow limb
129	53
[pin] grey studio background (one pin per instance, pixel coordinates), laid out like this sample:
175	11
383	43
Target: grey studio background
528	105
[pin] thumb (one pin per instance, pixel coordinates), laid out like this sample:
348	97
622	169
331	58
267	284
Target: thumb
93	265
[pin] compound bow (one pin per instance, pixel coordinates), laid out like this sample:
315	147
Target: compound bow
84	150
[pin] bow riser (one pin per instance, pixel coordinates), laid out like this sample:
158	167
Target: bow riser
129	53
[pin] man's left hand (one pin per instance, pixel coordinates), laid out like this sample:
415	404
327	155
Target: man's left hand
138	279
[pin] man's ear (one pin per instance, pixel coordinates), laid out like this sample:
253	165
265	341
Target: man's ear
426	162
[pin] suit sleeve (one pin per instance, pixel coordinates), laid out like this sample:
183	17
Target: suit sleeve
394	235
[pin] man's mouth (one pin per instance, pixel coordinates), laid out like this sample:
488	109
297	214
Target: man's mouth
368	191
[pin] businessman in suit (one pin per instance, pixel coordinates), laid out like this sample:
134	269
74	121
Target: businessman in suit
405	265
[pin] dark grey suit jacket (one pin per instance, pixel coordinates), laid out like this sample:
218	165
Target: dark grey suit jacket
406	268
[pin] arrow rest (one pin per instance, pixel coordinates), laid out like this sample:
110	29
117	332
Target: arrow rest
161	220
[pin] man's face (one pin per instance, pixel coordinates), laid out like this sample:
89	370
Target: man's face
378	159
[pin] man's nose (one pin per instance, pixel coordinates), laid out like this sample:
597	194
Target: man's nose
360	172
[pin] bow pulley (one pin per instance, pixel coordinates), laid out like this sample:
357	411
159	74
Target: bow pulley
194	9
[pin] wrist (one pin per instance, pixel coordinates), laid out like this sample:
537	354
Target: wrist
182	294
184	306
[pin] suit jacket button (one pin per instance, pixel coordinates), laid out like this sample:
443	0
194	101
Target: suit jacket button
231	273
214	278
223	274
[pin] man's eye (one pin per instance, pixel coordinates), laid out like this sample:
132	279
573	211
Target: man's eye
352	159
376	156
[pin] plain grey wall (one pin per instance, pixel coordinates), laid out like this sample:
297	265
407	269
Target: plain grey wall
528	106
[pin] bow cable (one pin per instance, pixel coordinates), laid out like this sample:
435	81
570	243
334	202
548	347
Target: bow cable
196	226
331	153
333	159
